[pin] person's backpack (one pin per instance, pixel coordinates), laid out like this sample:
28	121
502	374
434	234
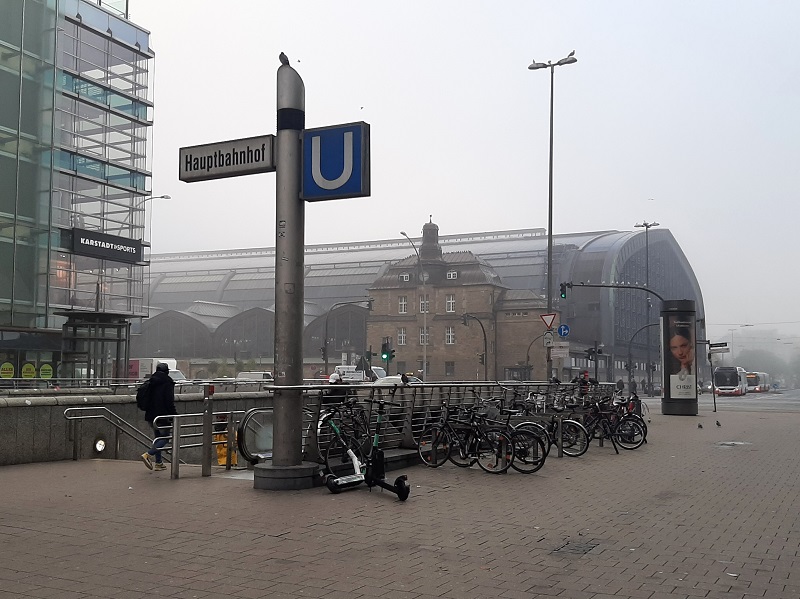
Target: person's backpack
143	396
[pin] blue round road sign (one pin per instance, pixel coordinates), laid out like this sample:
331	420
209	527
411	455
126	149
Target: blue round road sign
563	330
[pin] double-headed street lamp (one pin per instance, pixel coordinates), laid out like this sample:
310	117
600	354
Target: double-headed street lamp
569	59
424	337
647	226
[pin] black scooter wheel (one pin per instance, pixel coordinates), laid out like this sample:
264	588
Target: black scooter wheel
402	488
332	486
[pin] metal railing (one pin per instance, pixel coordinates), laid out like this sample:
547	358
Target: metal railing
184	433
418	405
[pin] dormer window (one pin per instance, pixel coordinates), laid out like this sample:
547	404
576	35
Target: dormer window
452	274
404	276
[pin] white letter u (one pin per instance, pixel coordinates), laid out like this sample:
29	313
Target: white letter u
347	171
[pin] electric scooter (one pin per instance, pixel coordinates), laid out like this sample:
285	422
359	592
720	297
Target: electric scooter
373	470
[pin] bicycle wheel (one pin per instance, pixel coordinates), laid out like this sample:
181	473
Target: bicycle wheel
640	420
628	434
592	426
529	453
337	460
352	426
495	451
574	438
539	430
434	446
461	448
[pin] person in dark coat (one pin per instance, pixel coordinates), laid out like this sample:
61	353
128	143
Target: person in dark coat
160	402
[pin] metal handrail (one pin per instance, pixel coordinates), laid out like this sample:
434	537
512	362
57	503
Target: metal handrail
174	444
119	423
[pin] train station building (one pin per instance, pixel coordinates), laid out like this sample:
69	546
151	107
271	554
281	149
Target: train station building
215	309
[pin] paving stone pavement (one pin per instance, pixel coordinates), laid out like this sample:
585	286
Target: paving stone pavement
686	515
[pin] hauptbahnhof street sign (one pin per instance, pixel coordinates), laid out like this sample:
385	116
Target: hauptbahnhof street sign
247	156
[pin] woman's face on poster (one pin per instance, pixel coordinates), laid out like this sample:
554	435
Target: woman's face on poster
681	349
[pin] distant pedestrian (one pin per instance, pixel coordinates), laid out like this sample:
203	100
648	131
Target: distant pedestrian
338	391
583	381
620	386
160	402
632	387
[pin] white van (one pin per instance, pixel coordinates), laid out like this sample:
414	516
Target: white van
255	376
349	373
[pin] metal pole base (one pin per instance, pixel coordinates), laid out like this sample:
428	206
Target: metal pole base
286	478
680	407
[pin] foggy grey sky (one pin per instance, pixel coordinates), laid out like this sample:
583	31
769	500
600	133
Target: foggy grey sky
692	104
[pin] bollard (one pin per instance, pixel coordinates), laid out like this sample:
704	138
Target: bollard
229	442
174	472
208	426
560	436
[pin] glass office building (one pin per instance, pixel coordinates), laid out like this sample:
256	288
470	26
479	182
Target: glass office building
75	115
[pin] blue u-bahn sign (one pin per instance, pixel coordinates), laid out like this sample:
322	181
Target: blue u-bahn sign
335	162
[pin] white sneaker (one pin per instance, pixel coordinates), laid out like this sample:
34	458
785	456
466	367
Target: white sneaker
147	461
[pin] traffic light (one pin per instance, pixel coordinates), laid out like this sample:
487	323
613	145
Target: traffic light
391	355
464	319
482	358
384	351
371	302
590	354
563	290
323	351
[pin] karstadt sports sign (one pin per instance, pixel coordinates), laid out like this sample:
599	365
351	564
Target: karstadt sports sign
107	247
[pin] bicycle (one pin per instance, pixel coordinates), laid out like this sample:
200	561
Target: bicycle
352	422
437	442
574	437
491	449
625	432
369	468
530	451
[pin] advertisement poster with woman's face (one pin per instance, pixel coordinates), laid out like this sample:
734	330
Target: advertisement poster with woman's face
680	356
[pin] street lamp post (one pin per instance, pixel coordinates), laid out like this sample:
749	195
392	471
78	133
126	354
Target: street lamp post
421	278
647	227
324	347
528	357
464	318
569	59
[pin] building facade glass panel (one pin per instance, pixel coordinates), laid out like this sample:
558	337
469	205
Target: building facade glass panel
73	67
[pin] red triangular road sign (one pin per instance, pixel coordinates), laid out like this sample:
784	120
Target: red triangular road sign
548	319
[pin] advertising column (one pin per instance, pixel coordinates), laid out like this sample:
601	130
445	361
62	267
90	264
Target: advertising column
679	367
